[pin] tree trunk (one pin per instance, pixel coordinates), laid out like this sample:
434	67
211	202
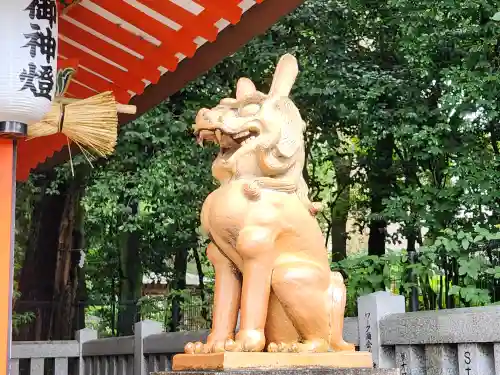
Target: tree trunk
178	284
37	274
67	276
380	180
130	280
340	210
339	236
79	245
48	281
201	281
412	234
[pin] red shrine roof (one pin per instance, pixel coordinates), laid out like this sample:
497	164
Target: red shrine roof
144	51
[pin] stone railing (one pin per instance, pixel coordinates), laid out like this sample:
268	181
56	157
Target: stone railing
459	341
456	341
64	357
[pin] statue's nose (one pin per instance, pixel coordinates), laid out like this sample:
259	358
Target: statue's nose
201	116
214	117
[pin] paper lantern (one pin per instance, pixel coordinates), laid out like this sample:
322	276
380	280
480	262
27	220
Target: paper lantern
28	63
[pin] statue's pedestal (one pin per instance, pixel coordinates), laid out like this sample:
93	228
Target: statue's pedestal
295	371
232	361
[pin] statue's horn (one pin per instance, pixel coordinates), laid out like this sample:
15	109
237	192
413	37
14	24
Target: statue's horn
284	76
244	87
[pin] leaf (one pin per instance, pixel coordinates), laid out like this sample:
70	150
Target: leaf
465	243
454	290
496	16
374	279
470	267
478	238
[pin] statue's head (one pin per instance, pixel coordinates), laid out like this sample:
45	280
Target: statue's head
258	134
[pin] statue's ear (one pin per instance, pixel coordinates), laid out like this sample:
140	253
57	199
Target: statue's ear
288	145
291	127
284	76
244	88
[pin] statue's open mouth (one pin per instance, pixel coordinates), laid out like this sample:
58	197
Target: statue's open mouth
228	143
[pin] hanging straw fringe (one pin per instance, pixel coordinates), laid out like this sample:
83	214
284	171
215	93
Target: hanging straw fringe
90	123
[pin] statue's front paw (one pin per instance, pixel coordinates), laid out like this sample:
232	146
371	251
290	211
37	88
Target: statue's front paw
315	207
248	341
342	346
212	346
283	347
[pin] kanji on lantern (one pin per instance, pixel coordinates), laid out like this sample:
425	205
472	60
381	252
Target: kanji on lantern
43	10
39	81
46	43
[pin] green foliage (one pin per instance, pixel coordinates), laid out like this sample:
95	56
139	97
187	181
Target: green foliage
367	274
473	258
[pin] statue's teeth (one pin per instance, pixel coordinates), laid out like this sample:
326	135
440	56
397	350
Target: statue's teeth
243	134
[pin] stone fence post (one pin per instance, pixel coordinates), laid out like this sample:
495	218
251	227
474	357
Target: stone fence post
142	330
83	336
371	310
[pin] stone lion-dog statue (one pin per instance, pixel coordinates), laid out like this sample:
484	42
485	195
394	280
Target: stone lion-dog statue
266	246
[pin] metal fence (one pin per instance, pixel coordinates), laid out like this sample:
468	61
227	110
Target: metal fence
195	313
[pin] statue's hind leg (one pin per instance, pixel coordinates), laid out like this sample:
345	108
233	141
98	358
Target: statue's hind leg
336	299
281	335
302	290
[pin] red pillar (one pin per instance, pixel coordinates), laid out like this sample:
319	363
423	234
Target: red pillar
7	207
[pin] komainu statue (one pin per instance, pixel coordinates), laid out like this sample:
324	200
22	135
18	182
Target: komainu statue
266	246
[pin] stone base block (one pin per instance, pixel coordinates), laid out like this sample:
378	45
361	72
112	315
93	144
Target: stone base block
235	361
294	371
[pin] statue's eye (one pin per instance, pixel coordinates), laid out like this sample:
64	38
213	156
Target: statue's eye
229	114
249	110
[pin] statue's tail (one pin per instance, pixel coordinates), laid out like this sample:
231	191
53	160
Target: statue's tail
336	302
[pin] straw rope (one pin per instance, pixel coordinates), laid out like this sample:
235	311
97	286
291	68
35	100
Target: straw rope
90	123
